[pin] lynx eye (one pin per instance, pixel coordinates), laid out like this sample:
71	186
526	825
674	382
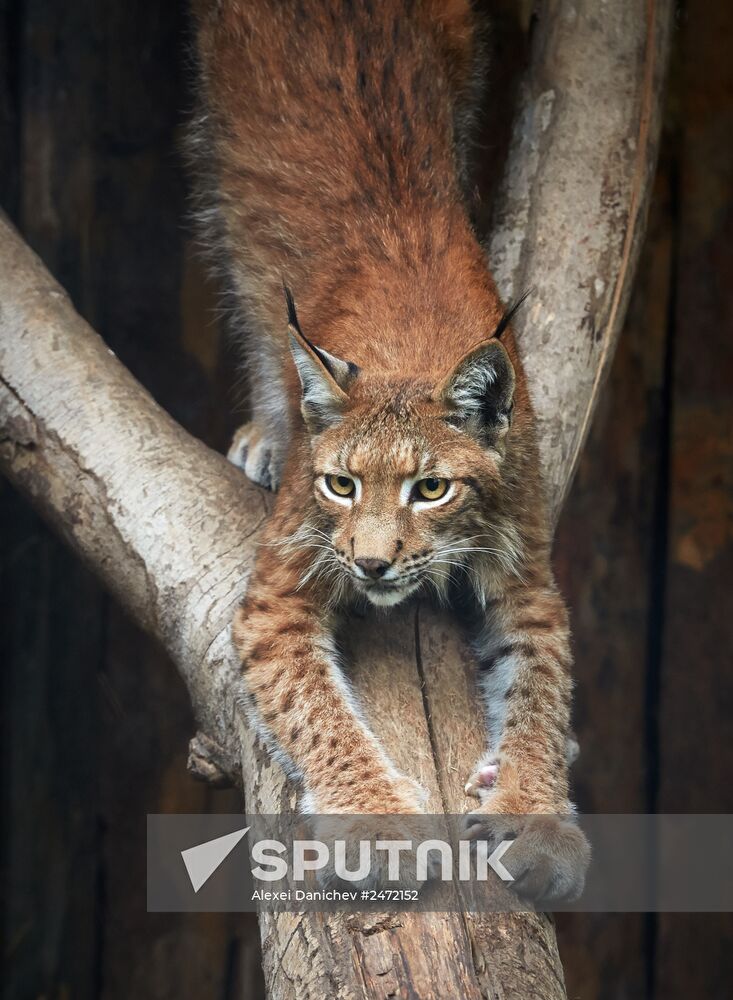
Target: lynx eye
431	488
342	486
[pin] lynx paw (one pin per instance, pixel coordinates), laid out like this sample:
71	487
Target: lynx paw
548	858
392	811
257	455
373	863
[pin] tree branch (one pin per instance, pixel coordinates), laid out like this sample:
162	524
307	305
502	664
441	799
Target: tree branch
571	215
171	527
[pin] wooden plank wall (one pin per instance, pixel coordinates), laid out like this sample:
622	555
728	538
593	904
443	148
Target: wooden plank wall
95	721
645	547
694	755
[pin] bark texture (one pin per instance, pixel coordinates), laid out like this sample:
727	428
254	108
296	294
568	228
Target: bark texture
171	527
571	213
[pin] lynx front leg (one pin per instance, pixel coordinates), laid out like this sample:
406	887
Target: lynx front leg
525	681
304	703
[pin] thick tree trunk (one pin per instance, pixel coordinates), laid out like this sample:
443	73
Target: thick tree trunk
171	527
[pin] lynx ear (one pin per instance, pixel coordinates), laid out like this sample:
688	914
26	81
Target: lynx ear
324	378
480	392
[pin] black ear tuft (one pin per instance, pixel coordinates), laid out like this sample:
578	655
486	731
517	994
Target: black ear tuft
292	314
510	313
343	372
324	378
480	393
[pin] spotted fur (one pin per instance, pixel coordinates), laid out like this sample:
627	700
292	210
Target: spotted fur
331	153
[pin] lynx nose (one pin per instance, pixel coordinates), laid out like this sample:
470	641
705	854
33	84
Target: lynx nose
374	568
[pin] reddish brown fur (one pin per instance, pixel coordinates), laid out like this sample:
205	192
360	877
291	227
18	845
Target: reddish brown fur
332	144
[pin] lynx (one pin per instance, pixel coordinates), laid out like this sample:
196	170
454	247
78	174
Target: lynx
389	406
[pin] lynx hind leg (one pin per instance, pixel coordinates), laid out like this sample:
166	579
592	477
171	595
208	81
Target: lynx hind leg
259	454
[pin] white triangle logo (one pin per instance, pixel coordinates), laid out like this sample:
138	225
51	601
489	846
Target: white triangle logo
202	860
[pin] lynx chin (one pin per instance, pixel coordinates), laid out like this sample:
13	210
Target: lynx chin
390	411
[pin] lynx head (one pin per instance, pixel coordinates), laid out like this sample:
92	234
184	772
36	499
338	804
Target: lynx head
406	473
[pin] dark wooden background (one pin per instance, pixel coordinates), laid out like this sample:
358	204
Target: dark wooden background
95	722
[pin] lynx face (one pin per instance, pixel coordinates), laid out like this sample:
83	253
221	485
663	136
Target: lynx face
401	496
405	474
